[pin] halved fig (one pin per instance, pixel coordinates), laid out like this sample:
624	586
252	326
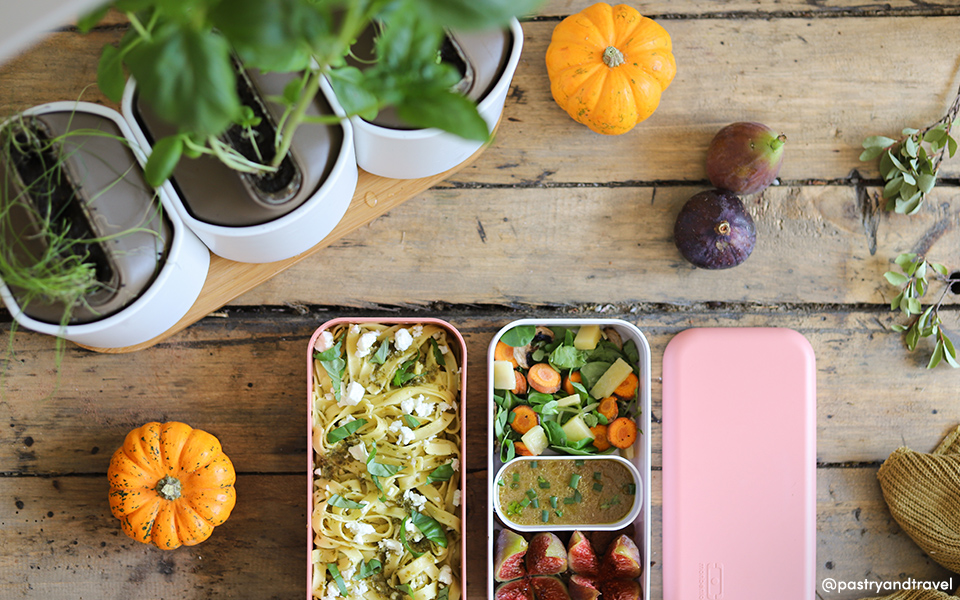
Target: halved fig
581	557
546	555
583	588
514	590
549	588
622	560
509	555
620	589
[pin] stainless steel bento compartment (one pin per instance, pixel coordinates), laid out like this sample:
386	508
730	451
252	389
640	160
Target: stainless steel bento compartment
603	346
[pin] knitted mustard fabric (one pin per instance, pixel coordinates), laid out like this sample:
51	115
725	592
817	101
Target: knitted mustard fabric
923	493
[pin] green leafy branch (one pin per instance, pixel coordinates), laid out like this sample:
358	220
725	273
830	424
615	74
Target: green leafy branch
926	322
909	165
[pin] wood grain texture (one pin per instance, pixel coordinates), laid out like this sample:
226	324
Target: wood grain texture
612	246
243	379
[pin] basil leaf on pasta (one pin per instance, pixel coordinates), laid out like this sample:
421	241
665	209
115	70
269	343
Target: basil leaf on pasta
403	539
335	573
437	355
334	365
380	356
441	473
345	431
369	568
430	528
341	502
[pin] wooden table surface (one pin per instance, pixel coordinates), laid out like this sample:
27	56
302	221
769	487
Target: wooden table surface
552	220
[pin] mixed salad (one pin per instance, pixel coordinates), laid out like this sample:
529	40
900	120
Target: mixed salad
572	390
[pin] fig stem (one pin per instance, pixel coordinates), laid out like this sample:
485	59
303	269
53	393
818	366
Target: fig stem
723	228
778	141
612	57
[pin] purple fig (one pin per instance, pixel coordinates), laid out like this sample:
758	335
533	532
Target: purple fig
581	557
745	157
549	588
508	556
714	231
547	555
583	588
514	590
621	589
621	561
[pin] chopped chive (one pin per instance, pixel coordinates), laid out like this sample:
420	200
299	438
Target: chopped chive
598	487
569	500
514	485
574	480
611	502
525	502
516	476
531	493
533	464
597	475
545	516
579	462
500	482
535	503
631	489
544	484
553	501
577	496
559	513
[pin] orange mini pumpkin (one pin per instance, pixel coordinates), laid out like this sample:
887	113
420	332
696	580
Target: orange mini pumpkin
608	66
170	485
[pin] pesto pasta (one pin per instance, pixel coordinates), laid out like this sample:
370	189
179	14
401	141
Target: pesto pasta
386	437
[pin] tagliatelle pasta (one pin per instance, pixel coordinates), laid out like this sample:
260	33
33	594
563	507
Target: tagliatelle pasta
386	437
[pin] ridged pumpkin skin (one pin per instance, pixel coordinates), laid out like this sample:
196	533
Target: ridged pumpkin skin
588	79
152	455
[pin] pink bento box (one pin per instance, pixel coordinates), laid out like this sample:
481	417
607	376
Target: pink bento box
461	351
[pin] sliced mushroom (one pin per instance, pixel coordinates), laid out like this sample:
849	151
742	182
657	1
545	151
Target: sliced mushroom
522	354
613	336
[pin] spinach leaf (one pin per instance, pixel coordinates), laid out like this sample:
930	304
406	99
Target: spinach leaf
591	372
437	355
555	433
430	528
403	374
605	352
367	569
507	451
334	365
581	391
341	502
630	350
403	539
519	336
539	398
345	430
335	573
441	473
567	357
380	356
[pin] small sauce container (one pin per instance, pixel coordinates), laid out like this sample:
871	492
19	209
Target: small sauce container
565	493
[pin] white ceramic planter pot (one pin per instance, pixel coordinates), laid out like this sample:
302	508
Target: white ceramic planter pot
278	238
416	153
167	297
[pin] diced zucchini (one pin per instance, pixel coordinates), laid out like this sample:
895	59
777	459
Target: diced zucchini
576	429
587	337
568	401
535	440
503	376
610	379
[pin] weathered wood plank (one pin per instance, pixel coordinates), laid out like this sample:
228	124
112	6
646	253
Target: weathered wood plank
244	379
68	544
610	245
777	71
748	8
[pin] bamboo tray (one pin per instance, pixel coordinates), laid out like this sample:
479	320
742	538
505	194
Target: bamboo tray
228	279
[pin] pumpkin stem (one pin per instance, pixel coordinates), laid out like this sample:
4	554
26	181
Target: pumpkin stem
612	57
168	488
723	228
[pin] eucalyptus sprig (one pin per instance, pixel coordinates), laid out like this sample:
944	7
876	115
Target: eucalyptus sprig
910	164
926	322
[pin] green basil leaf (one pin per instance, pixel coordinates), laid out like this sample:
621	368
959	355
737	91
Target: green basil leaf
345	430
341	502
437	355
352	90
441	473
335	573
333	363
187	76
403	374
403	539
430	528
380	356
273	36
110	77
163	160
367	569
88	21
378	469
405	587
469	14
519	336
444	110
412	421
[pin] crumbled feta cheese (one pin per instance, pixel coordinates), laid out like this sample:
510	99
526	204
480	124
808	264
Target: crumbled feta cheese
359	452
395	426
360	530
455	464
446	575
353	395
354	328
406	435
415	499
332	591
390	545
444	407
402	339
456	497
329	397
324	342
359	587
318	472
365	343
419	406
413	532
417	330
443	349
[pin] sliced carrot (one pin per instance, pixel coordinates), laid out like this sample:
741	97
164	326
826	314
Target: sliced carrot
544	378
622	432
608	408
522	449
600	440
521	385
524	419
569	380
628	389
504	352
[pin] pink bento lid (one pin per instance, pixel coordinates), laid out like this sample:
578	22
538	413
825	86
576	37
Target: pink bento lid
739	465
